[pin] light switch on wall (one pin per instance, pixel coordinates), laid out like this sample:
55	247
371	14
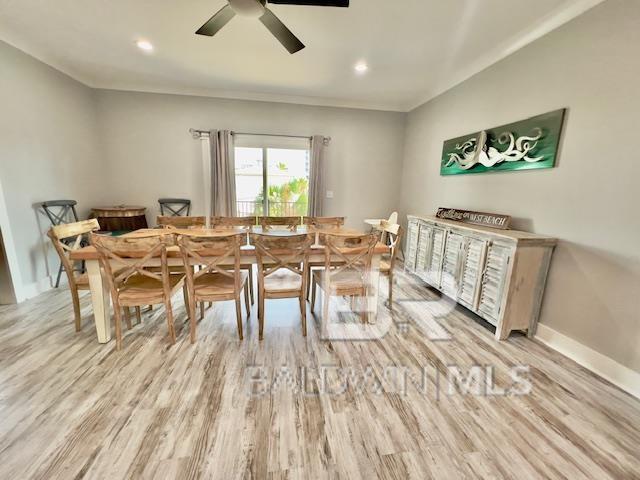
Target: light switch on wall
329	193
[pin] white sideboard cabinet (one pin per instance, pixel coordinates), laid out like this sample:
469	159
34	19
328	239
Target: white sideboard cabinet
498	274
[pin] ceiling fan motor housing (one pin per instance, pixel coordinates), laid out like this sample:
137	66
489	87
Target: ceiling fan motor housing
248	8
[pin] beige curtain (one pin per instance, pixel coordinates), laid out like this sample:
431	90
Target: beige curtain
223	175
316	176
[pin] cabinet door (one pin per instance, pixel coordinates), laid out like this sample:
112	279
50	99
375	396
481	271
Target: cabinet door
434	256
495	271
451	263
411	249
473	259
424	237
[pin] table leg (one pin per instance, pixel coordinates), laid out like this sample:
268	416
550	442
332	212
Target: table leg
101	301
375	288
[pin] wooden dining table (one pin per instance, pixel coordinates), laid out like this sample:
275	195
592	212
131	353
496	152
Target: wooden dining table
100	296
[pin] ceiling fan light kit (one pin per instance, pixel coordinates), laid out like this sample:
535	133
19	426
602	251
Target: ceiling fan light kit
258	9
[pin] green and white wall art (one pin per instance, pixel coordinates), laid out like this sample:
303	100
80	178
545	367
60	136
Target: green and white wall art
524	145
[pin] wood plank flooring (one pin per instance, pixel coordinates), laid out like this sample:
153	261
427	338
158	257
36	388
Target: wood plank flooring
71	408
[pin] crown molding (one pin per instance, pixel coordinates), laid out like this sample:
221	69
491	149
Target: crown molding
256	97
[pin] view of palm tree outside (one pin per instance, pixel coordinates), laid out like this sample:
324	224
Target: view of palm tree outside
287	180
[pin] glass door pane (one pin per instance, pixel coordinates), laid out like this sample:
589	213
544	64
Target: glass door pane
287	182
249	181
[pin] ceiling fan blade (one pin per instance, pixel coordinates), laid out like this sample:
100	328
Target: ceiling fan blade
215	23
281	32
315	3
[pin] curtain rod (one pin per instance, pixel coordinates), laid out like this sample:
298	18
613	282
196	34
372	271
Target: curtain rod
198	133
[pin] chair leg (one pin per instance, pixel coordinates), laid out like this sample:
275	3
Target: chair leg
308	284
246	301
59	275
251	284
118	322
192	318
260	315
127	317
138	315
314	287
201	310
391	290
76	309
303	313
239	316
185	297
172	328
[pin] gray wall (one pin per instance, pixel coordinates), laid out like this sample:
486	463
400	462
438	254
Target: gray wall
48	151
150	153
590	201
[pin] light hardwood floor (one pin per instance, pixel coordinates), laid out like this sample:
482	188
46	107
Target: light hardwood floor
72	408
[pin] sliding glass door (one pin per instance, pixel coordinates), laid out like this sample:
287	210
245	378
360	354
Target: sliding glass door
277	166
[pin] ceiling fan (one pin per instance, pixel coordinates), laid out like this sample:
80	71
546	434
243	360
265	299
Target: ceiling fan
258	9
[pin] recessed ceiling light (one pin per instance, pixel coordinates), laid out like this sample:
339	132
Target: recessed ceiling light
361	67
144	45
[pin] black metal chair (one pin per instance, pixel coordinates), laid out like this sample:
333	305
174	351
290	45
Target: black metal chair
61	212
174	207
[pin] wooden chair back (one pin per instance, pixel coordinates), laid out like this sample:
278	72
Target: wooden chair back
175	207
324	223
289	252
216	249
349	254
62	236
279	223
181	222
394	237
122	257
233	222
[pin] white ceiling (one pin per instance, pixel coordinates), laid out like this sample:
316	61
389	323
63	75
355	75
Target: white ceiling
416	49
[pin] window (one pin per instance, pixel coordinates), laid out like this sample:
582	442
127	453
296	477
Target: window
276	165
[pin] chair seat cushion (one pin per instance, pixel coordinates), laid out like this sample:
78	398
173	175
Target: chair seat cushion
215	284
142	289
283	281
345	281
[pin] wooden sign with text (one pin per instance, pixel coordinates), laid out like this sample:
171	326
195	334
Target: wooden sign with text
493	220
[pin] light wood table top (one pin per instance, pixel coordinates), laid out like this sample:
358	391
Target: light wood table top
90	253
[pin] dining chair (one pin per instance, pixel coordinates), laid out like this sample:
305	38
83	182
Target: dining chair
320	224
324	223
175	207
244	223
350	278
214	281
180	222
60	212
123	261
66	238
279	223
387	263
283	263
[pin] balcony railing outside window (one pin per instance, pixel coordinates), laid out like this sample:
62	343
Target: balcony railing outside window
276	209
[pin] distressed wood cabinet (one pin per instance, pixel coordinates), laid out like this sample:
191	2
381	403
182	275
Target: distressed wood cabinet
498	274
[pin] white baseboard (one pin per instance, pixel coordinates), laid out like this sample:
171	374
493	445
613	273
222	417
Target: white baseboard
621	376
36	288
